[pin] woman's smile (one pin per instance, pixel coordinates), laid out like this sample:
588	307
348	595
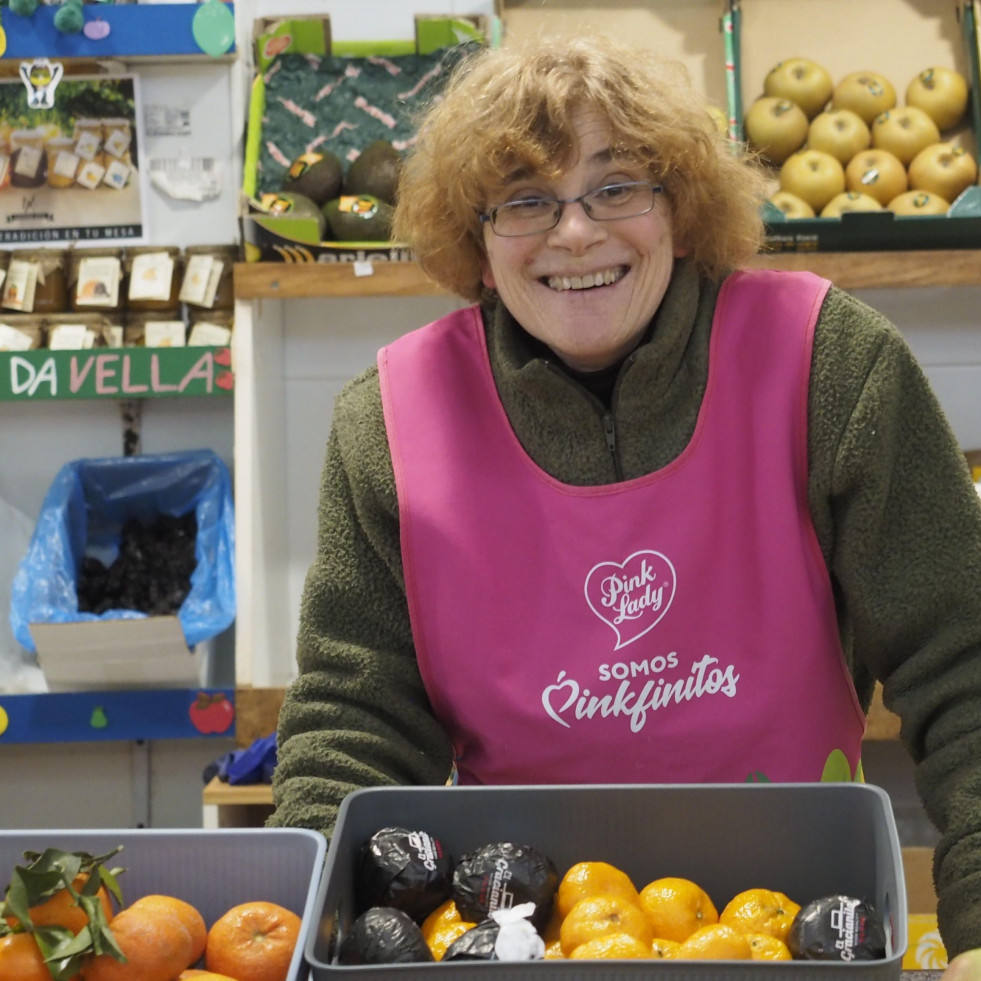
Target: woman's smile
603	277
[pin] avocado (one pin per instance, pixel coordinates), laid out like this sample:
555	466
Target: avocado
375	172
359	218
316	175
288	206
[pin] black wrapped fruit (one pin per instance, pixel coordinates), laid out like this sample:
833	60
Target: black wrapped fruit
506	935
405	869
837	928
502	875
382	935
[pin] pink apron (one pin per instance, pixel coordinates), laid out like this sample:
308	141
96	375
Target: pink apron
674	628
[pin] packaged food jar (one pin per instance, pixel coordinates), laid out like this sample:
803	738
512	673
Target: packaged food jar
207	283
210	328
28	162
154	274
21	332
76	331
35	281
117	135
62	162
154	328
88	138
95	279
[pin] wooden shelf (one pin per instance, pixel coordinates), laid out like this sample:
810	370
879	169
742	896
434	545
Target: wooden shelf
884	270
222	794
284	280
848	270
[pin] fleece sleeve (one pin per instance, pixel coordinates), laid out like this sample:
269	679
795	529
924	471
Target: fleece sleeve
357	715
903	539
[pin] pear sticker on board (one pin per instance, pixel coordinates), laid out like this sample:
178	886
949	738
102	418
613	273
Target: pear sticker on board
213	27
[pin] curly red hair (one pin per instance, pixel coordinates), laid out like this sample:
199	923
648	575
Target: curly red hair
513	107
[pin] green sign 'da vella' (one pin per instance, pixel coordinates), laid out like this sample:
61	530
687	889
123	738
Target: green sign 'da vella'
123	373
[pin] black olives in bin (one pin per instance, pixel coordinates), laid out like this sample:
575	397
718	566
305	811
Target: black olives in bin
382	935
837	928
502	875
405	869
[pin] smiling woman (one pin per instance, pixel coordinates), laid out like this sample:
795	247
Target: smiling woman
635	495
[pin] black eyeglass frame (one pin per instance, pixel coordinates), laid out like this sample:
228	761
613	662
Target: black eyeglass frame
491	214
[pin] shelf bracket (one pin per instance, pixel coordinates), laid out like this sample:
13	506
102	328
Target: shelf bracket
131	411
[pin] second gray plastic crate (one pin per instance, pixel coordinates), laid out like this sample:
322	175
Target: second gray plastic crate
806	840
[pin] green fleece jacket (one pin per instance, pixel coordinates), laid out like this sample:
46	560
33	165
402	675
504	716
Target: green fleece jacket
892	501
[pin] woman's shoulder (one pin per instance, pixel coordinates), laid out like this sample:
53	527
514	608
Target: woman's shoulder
850	336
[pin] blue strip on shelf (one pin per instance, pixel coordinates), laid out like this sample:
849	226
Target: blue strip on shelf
135	31
99	716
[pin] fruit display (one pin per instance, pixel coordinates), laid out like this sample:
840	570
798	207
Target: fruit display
851	144
352	204
64	918
506	901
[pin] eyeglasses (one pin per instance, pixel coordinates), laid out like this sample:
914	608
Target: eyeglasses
529	216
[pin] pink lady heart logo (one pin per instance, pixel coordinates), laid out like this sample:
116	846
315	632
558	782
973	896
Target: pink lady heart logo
631	596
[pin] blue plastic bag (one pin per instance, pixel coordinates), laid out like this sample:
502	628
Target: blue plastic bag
84	512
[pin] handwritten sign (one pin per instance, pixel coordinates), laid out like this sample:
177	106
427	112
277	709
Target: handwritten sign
122	373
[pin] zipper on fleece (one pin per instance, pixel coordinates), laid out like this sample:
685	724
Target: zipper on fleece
606	415
610	432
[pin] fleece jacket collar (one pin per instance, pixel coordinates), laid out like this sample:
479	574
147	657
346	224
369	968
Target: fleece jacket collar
655	401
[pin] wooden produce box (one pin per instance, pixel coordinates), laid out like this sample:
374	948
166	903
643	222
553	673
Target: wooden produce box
304	47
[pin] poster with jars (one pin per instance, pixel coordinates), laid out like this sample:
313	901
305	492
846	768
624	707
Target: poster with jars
69	163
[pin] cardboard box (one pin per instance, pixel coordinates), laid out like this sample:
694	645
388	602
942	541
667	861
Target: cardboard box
107	654
212	870
270	237
926	951
806	840
898	39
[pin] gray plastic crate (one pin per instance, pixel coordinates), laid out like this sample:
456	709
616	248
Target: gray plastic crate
212	870
806	840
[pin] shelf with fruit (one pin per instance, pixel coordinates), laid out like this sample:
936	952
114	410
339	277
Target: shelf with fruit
850	146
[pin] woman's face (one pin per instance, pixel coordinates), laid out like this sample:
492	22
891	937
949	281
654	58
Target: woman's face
541	277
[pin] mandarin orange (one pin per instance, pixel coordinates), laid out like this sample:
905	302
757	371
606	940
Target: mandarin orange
253	941
156	944
593	879
21	959
663	949
716	941
597	916
195	974
618	946
764	947
442	927
760	911
188	915
677	907
63	910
